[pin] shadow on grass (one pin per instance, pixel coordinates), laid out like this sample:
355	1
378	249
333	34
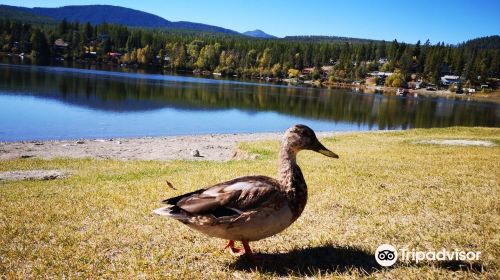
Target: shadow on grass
475	267
330	259
311	261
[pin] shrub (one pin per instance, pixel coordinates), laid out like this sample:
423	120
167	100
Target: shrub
395	80
293	73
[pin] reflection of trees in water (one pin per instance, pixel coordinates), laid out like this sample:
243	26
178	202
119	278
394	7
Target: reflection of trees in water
130	94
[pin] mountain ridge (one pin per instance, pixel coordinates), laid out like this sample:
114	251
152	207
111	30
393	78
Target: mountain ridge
97	14
257	33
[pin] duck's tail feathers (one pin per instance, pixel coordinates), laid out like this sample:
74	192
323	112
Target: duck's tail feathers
173	212
174	200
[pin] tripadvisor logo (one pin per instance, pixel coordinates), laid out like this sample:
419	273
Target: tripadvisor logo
387	255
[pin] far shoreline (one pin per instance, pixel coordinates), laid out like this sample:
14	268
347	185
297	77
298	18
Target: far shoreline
493	97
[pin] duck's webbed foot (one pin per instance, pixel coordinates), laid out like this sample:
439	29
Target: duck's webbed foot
240	251
233	250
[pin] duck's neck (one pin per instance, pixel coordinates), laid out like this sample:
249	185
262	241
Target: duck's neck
292	181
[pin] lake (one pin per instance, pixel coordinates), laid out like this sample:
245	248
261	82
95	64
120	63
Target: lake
41	103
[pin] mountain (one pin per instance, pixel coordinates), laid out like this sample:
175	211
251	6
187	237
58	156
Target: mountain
96	14
488	42
328	39
15	13
258	34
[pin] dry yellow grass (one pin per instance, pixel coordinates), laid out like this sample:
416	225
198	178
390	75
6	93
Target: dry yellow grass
383	189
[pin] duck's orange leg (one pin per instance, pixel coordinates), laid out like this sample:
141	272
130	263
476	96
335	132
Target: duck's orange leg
248	251
233	250
239	251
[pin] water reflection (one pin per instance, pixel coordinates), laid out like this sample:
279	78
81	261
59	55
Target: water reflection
127	92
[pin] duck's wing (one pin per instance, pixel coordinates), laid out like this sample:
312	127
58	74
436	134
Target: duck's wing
230	198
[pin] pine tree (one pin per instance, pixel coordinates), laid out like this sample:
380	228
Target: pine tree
39	45
63	27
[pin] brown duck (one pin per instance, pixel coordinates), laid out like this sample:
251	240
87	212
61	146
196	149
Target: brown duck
250	208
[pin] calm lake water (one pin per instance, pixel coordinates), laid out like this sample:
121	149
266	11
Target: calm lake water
39	103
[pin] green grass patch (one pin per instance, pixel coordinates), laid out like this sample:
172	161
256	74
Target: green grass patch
265	150
383	189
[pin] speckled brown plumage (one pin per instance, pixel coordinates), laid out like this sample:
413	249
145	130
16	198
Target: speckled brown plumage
252	207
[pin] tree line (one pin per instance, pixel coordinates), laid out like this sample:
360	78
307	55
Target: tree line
477	61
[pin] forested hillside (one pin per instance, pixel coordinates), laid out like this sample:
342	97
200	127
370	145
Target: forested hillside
342	59
97	14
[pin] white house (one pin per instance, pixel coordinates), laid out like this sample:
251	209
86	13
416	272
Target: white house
380	74
382	60
450	80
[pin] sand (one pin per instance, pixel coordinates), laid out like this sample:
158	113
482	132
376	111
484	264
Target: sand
218	147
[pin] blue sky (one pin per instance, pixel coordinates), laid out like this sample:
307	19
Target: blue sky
409	21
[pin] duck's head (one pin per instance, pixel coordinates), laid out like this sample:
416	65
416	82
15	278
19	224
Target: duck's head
301	137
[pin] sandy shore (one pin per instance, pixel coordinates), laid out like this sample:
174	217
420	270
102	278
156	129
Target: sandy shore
478	96
210	147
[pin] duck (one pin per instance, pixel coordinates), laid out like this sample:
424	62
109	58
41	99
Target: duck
250	208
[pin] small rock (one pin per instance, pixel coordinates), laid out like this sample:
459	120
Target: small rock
195	153
26	156
80	142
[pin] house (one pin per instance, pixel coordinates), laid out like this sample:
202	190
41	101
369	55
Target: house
379	77
382	60
308	71
114	54
326	69
380	74
59	44
60	47
447	80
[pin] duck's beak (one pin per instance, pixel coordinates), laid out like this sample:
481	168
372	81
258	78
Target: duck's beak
324	151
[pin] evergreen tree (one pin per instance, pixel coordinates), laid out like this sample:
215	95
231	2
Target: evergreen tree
63	27
39	45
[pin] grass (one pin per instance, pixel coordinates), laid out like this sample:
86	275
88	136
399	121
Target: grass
383	189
